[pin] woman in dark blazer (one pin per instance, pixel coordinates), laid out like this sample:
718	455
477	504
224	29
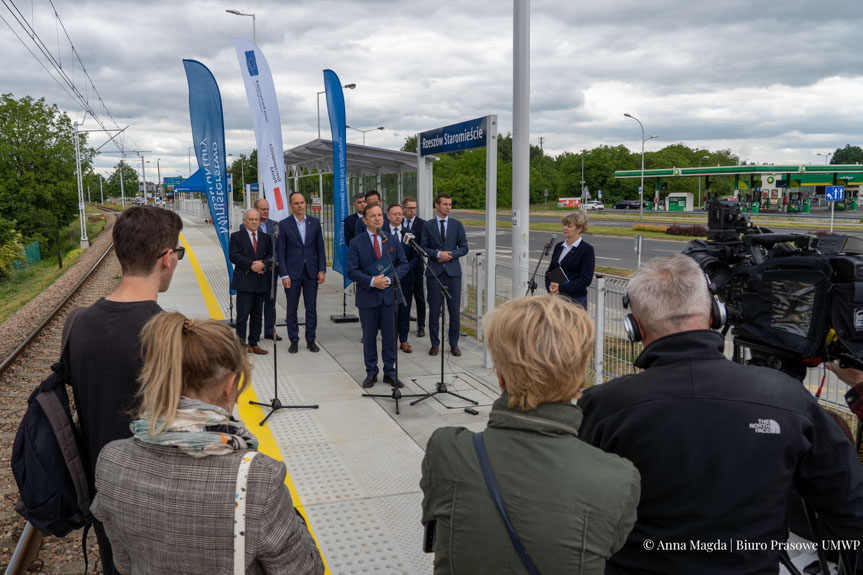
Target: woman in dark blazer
575	257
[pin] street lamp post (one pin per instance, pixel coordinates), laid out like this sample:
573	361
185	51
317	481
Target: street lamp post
158	177
364	131
190	160
641	189
348	86
826	156
238	13
700	203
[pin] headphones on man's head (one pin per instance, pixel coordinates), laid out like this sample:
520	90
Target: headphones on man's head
718	314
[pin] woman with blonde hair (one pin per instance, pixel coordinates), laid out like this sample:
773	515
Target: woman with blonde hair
170	497
575	258
564	506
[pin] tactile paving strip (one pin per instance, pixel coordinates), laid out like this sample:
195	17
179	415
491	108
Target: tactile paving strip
355	419
383	465
403	515
356	539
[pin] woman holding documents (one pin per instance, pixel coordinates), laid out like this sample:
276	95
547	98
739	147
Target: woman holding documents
572	261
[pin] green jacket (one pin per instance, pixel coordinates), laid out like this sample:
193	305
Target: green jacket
571	504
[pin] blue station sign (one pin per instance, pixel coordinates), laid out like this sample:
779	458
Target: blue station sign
462	136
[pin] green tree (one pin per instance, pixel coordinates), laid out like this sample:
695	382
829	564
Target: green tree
38	186
847	155
410	144
244	169
130	181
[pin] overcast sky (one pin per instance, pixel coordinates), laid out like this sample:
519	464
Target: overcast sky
774	81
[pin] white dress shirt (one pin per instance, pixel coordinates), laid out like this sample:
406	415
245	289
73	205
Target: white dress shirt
301	226
377	240
566	249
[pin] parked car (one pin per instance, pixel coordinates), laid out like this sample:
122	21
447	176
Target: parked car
629	205
593	205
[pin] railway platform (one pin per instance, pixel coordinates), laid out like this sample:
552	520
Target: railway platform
353	463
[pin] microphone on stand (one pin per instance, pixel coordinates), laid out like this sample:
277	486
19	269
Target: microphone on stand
410	240
548	245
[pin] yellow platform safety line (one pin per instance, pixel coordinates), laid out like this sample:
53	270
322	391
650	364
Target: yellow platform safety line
249	413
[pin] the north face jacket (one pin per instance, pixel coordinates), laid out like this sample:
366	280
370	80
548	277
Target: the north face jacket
719	446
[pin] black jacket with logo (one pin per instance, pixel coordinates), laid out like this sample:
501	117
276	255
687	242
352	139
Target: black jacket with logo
719	446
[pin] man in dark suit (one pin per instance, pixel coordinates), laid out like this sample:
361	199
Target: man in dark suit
395	229
413	224
271	228
302	265
251	252
369	267
372	198
445	242
351	221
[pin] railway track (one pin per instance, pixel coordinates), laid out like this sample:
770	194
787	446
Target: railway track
23	550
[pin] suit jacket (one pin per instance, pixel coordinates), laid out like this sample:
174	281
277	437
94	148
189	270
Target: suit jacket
410	255
168	512
417	230
350	223
272	226
242	255
296	257
361	255
578	266
456	242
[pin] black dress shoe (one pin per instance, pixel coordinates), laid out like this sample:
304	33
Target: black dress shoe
369	381
276	337
433	350
313	347
455	352
421	332
295	346
393	381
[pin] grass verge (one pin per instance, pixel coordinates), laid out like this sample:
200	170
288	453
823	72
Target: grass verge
593	230
26	284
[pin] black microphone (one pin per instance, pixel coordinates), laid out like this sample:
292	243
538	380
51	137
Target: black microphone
413	243
548	245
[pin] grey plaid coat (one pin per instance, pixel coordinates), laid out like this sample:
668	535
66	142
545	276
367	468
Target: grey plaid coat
167	512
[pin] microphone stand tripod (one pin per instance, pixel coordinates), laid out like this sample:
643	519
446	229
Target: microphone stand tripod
531	285
396	393
275	404
441	385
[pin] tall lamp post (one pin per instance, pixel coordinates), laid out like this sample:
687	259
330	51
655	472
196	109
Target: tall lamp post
158	177
190	160
826	156
700	203
238	13
364	132
348	86
641	189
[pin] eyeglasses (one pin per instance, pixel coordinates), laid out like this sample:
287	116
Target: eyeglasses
180	251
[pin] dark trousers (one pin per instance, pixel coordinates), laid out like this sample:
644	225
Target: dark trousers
453	285
106	554
420	297
374	319
309	288
269	316
250	308
405	310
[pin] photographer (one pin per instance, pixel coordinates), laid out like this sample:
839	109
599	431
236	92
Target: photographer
719	445
571	505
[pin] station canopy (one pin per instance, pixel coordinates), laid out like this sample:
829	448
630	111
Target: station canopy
361	160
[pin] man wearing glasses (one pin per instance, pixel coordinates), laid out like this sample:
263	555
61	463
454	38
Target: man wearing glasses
103	358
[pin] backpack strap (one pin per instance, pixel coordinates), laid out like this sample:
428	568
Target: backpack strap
62	428
240	513
491	483
67	329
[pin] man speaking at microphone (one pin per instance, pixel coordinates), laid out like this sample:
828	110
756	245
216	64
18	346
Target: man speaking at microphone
373	258
570	270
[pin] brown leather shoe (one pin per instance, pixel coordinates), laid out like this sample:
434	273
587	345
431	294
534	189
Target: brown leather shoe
257	350
455	352
406	347
433	350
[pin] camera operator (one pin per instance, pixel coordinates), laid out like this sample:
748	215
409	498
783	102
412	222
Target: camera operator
719	445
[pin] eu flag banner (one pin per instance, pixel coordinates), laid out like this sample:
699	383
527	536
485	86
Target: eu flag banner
208	134
336	112
261	94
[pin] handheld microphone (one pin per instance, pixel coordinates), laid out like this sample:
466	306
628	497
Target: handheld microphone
548	245
408	237
413	243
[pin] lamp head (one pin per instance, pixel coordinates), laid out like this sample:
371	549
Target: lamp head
628	115
237	12
350	86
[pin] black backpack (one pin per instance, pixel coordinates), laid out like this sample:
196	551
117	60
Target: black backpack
46	457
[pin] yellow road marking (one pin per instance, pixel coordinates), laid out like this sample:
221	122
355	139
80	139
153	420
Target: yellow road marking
248	413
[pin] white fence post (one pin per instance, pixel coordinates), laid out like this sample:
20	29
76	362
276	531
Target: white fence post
477	281
599	341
